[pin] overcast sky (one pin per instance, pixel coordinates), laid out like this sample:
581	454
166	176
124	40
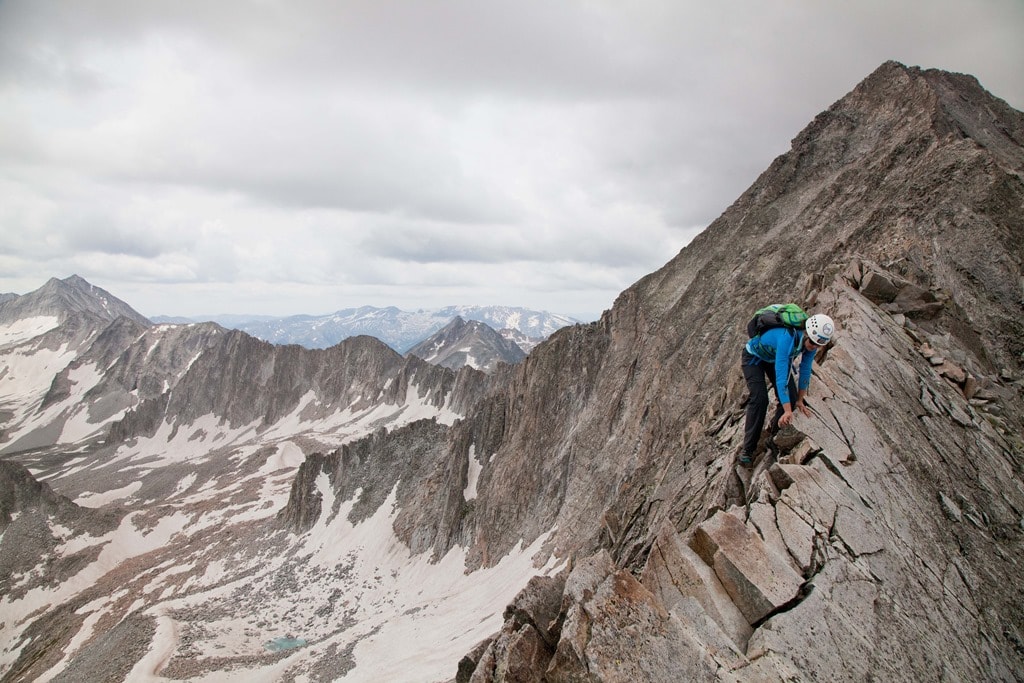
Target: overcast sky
304	156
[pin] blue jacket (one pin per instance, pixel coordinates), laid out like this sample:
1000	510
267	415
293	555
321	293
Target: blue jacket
780	345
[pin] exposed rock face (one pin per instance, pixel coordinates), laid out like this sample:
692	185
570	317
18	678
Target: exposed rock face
27	508
247	381
473	343
898	212
20	492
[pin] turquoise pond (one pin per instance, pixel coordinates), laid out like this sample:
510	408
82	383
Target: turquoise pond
284	643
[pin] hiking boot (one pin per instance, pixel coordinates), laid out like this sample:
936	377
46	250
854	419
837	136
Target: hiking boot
745	460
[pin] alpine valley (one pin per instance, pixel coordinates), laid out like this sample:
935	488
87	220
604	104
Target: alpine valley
188	502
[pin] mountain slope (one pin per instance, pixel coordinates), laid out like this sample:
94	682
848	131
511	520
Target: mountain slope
472	343
60	298
173	448
638	440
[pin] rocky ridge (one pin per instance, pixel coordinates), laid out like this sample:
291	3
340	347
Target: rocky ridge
61	298
887	522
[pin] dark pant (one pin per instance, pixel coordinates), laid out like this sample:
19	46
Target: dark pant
759	375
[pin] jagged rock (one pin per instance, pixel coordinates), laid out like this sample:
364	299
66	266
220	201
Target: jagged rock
514	656
797	534
950	508
800	453
918	170
586	576
675	573
304	505
757	579
622	633
971	386
953	372
726	652
469	663
916	302
21	492
788	438
538	605
763	516
878	287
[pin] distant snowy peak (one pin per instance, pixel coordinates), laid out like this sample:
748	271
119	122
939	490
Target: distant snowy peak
401	330
471	343
63	299
533	324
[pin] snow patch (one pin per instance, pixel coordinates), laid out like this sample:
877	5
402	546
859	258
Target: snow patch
91	499
472	475
26	328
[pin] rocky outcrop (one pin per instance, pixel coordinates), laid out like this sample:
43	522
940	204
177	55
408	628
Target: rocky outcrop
29	509
405	460
243	381
103	351
20	492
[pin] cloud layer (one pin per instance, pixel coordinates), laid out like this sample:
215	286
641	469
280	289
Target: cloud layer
308	156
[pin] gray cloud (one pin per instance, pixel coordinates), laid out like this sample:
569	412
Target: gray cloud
324	154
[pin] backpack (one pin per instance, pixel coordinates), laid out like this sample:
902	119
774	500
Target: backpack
776	315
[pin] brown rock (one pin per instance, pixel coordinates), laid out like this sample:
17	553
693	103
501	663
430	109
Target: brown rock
757	579
674	572
953	372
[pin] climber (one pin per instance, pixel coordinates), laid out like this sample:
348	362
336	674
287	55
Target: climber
769	356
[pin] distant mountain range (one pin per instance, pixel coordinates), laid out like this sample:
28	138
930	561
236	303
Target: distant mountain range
478	336
401	330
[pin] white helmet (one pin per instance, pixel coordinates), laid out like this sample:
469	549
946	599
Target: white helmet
819	328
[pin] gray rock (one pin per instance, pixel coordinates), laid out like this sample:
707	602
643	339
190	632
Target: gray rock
757	579
878	287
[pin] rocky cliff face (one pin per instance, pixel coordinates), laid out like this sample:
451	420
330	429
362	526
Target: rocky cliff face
245	381
886	522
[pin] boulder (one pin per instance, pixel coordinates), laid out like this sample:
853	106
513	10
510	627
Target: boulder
624	634
757	579
878	287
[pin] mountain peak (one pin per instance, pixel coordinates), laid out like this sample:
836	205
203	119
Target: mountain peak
473	343
64	298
